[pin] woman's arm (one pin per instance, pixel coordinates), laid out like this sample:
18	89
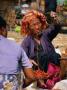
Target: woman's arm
31	76
53	31
54	28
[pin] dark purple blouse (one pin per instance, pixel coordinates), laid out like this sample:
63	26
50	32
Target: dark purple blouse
46	41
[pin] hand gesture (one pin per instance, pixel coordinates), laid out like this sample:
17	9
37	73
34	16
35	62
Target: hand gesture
33	62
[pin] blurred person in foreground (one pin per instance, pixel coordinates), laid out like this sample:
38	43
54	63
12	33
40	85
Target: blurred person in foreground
38	46
12	60
61	85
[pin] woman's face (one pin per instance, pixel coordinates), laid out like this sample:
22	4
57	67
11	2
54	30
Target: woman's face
35	26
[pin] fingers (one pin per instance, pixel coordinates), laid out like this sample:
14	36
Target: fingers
33	62
41	74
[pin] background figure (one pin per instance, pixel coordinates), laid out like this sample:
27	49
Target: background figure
60	4
38	45
17	26
13	59
41	5
50	5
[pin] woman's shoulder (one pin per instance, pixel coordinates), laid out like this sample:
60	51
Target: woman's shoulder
27	40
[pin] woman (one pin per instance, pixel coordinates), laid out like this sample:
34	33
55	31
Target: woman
37	45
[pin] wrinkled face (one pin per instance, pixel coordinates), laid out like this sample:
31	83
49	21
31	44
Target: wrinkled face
35	26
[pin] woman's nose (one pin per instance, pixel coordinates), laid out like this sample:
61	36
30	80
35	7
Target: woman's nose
37	27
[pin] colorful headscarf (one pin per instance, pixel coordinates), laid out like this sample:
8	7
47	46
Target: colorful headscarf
30	16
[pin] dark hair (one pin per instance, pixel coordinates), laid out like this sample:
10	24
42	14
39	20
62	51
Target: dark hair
2	22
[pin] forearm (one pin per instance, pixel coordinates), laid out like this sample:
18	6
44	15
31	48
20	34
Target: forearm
29	77
27	82
52	33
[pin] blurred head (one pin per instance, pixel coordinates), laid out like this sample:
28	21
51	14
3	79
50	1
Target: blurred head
3	27
33	23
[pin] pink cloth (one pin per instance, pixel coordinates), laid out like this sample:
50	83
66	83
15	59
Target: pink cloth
54	77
